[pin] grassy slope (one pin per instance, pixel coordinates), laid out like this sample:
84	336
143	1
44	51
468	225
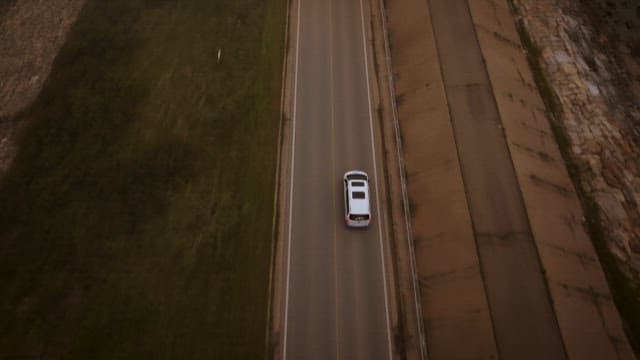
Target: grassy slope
135	222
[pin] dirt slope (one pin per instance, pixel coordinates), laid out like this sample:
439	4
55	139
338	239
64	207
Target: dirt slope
31	34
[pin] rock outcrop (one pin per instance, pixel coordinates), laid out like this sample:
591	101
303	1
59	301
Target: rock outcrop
591	61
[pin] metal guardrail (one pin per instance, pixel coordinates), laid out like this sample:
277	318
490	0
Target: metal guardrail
405	198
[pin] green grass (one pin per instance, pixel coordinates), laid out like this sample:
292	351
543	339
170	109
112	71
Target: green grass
626	296
135	222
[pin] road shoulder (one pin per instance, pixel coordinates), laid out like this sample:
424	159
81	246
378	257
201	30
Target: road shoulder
282	194
447	261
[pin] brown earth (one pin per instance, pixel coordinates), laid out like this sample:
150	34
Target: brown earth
31	34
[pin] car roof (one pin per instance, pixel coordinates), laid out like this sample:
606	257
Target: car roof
358	206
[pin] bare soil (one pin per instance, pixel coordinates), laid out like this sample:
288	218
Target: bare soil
31	34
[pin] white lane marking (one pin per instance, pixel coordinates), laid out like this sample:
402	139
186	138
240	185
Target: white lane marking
293	155
375	179
333	176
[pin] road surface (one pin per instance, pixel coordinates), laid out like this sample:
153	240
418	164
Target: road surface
336	304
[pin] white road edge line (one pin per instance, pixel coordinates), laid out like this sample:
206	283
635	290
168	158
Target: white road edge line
293	155
375	179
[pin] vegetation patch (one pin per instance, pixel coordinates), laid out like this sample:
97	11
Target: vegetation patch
626	295
135	221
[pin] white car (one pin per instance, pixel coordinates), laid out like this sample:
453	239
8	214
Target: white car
356	199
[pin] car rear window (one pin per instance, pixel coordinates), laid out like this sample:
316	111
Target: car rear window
358	195
359	217
357	183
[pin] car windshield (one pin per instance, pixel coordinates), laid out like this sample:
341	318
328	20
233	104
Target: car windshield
357	183
357	177
358	195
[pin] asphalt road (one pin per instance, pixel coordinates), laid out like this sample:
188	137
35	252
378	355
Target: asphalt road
335	302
